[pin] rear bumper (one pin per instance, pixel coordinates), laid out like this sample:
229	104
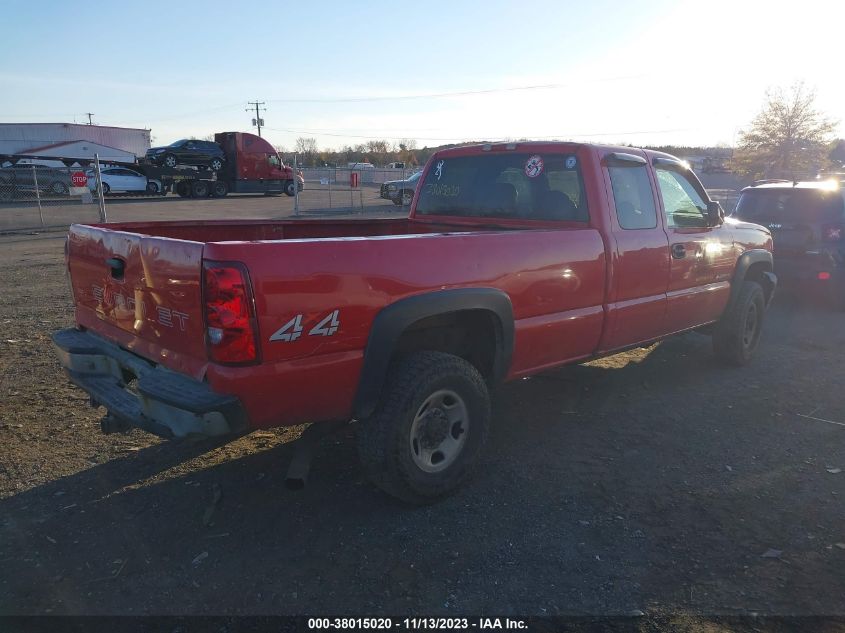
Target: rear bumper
803	270
143	394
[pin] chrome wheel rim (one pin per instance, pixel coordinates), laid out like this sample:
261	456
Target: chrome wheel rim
439	431
170	161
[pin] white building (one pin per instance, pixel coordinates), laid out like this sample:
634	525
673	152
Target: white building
80	140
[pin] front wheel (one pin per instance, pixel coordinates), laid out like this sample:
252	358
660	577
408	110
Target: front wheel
738	333
290	188
170	160
216	164
429	428
152	188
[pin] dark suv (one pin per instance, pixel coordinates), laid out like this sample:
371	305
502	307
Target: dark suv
22	178
807	221
188	152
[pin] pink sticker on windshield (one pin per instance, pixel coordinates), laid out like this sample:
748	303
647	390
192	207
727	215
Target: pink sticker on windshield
534	166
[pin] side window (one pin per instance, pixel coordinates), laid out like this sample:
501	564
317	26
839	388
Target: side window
273	160
683	204
633	196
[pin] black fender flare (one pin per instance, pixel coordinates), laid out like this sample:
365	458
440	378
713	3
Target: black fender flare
744	263
392	321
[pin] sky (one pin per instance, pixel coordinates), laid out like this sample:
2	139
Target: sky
648	72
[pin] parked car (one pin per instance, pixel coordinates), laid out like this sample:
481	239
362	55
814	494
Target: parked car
22	177
400	191
189	152
122	179
515	259
807	221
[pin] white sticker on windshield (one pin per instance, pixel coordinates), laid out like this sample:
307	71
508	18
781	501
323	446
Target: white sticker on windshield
438	171
570	162
534	166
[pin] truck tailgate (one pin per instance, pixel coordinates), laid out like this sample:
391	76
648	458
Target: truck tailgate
141	292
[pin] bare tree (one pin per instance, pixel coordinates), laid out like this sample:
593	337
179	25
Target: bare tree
308	148
789	138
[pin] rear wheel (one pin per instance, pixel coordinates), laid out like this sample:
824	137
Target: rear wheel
200	189
429	428
7	190
58	188
738	333
219	189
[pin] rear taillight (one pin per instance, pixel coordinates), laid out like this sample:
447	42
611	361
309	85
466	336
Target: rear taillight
833	233
231	329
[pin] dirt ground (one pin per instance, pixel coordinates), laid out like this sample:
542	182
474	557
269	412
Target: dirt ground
655	480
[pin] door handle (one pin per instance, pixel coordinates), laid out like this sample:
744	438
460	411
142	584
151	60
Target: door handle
679	251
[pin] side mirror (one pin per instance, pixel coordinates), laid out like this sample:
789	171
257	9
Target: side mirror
715	213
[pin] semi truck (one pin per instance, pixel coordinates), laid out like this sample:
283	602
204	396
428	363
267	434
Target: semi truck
252	165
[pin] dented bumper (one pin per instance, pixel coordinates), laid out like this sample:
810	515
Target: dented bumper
143	394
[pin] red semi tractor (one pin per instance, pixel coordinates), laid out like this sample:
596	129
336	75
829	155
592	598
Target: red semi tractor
251	165
516	258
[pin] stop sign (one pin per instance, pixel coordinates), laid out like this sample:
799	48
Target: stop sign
79	179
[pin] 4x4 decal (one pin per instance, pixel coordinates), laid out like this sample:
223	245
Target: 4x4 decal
293	329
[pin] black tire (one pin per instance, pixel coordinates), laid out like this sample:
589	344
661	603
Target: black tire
219	189
406	198
183	188
57	187
106	189
216	164
387	441
290	188
7	190
169	160
200	189
738	333
152	188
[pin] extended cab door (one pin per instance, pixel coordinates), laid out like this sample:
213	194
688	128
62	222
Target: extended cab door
636	309
701	254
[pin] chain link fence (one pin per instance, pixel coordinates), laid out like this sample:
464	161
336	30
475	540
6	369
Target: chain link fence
37	196
339	189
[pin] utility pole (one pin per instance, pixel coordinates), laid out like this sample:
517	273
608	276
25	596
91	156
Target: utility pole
257	121
90	114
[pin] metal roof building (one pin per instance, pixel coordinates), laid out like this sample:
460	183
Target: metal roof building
22	138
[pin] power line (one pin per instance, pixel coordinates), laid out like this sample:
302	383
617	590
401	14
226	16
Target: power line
463	138
461	93
257	121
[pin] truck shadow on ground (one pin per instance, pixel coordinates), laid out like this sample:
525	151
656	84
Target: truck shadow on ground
599	493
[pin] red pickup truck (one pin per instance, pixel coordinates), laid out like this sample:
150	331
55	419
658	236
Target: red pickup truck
516	258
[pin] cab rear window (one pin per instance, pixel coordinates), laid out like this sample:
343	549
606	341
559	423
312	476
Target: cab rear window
529	186
766	206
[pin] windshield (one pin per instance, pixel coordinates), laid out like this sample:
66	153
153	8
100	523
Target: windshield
178	143
415	177
505	185
781	205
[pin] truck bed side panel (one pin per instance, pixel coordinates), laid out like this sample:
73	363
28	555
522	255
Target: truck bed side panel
555	280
